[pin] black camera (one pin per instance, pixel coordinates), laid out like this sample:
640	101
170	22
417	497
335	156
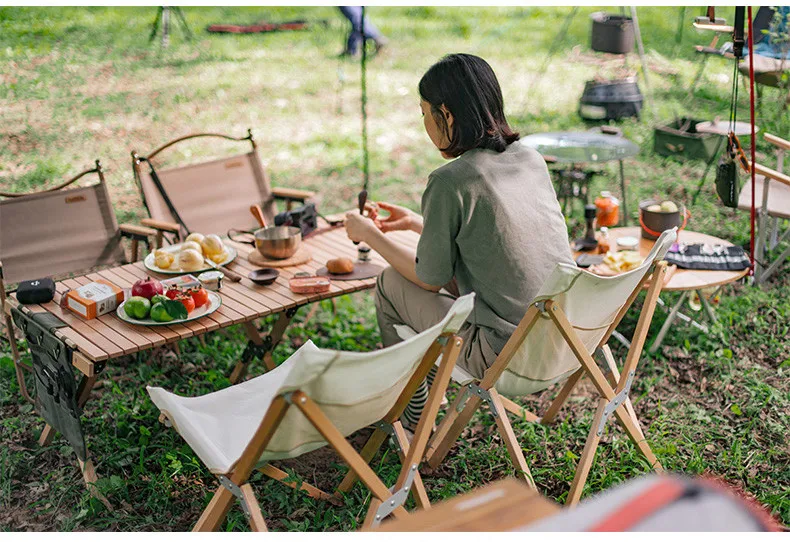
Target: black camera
305	218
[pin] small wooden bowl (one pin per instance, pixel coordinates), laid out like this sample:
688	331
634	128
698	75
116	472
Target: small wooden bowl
264	276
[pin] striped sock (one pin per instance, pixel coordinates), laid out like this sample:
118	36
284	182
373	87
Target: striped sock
413	411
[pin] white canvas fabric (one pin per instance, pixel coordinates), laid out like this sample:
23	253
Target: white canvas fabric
459	375
353	389
591	303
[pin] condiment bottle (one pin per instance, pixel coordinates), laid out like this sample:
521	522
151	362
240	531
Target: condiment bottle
608	210
604	245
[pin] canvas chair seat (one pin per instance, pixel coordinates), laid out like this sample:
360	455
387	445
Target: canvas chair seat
569	321
778	197
545	351
354	389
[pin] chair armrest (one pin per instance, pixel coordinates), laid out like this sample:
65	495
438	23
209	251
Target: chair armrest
778	141
771	174
161	225
132	230
281	192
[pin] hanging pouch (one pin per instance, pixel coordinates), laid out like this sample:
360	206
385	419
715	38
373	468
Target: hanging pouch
728	185
56	389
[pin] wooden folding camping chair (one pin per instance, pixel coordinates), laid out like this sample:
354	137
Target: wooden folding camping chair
242	428
772	198
573	315
54	233
214	197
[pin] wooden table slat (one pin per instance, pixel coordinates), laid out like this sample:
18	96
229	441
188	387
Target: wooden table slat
158	335
78	324
97	324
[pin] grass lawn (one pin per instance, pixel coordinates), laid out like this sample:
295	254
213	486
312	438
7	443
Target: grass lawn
78	84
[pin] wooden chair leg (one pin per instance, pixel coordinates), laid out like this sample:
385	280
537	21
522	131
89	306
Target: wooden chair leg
607	354
257	523
368	452
47	434
417	488
518	410
216	511
336	440
590	446
513	447
90	478
636	436
449	430
565	392
281	476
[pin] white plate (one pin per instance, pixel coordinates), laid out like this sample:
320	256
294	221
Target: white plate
149	261
214	302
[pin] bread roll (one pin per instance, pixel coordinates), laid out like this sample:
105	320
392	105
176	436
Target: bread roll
340	266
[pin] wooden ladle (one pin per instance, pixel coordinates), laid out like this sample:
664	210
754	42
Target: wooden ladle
258	214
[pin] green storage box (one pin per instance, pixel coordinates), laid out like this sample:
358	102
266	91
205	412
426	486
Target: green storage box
680	138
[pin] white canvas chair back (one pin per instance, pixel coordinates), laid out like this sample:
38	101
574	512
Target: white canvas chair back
353	389
58	232
210	197
591	303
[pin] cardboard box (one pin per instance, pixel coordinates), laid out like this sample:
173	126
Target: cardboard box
94	299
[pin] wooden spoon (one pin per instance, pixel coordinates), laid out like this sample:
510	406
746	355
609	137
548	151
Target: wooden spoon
258	214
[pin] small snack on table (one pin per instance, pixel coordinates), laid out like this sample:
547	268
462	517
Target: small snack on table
340	266
623	261
303	283
190	260
184	281
94	299
211	280
163	259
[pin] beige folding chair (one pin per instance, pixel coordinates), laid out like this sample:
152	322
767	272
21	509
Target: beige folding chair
573	315
55	233
772	198
212	196
58	232
242	428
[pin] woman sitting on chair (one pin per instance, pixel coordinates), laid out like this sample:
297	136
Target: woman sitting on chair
490	224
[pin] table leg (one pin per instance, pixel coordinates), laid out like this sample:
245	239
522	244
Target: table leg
619	336
622	191
707	306
668	322
687	319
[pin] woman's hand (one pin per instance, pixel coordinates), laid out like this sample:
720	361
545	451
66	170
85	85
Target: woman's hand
360	229
400	218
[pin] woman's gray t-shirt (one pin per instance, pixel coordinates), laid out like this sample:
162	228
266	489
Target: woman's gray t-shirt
492	221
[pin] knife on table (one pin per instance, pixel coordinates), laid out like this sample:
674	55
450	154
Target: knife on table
232	275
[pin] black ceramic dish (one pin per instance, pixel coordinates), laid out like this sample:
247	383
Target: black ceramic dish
264	276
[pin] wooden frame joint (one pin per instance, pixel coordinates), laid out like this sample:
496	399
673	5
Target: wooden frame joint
397	499
472	389
236	491
615	403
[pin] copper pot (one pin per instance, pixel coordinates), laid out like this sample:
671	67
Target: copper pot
278	242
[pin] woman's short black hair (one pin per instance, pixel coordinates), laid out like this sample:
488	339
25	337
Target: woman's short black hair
467	86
